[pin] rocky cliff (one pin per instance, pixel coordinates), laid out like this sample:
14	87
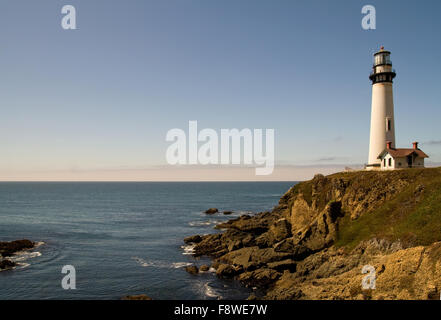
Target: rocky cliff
315	243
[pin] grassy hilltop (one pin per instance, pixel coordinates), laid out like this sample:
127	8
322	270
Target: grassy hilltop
411	214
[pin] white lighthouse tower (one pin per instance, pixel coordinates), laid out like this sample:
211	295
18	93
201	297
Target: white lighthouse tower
382	114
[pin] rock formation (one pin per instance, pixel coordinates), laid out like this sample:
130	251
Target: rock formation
315	243
8	249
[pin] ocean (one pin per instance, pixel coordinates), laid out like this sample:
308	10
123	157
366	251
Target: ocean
122	238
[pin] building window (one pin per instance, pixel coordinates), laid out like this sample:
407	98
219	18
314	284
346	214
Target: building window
390	162
384	162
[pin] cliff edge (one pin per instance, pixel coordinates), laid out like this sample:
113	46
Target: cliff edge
316	241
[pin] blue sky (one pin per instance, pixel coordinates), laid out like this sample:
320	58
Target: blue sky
103	97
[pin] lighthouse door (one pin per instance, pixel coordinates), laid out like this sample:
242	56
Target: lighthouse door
409	161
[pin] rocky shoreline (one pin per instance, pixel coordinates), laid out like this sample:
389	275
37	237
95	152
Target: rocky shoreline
300	250
9	249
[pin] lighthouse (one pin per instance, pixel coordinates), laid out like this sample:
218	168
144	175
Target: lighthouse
382	114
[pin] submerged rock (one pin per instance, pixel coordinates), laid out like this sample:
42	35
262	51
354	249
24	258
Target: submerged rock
204	268
212	211
137	297
192	270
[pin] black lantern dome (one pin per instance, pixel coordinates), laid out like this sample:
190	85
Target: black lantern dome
382	69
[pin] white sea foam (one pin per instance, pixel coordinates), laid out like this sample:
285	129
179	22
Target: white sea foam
211	292
25	255
204	223
160	264
38	244
22	265
142	262
188	249
177	265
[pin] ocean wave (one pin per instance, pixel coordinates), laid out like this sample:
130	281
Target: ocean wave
177	265
204	223
142	262
21	265
211	292
161	264
38	244
25	255
241	213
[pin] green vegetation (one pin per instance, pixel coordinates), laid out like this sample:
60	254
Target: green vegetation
412	216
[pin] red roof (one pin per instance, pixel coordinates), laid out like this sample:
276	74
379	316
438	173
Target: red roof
402	152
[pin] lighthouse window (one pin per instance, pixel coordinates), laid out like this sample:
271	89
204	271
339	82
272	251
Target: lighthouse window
382	59
379	59
388	124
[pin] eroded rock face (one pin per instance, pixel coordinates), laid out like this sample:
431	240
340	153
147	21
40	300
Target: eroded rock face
251	258
254	224
412	273
228	271
320	233
262	278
